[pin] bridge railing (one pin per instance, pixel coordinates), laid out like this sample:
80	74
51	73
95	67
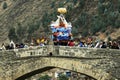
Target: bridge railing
60	51
68	52
86	52
34	51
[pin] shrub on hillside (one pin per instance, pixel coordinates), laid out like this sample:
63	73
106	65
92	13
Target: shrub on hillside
75	1
97	24
20	31
12	34
82	20
101	8
5	5
46	77
52	4
61	4
85	33
81	3
101	1
117	23
63	77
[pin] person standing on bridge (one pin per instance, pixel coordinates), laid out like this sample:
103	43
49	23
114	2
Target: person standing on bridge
3	46
12	45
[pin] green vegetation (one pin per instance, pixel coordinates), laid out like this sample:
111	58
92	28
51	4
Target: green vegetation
101	8
63	77
20	32
46	77
68	15
61	4
117	22
75	2
53	4
85	33
45	19
12	34
81	3
101	1
5	5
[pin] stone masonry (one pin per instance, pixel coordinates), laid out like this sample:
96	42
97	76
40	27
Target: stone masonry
101	64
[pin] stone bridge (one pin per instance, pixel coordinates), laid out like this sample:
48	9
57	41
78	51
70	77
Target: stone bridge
101	64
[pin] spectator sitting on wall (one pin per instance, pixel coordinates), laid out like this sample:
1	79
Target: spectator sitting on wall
71	43
42	44
21	45
115	45
81	44
103	45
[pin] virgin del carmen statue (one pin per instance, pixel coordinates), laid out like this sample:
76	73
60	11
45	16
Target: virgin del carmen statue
61	29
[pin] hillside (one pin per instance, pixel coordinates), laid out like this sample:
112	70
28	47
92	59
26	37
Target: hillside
25	19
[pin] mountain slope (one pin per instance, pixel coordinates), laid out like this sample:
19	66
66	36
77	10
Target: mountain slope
28	19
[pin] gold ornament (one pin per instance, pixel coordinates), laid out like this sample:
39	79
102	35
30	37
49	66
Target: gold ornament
62	10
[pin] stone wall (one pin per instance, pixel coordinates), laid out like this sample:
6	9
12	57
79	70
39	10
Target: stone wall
101	64
69	52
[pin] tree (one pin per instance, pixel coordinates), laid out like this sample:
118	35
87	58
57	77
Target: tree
101	1
5	5
52	4
97	24
101	8
81	4
46	77
12	34
85	32
63	77
75	2
61	4
20	32
82	20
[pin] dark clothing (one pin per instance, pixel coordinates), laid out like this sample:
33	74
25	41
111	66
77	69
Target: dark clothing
103	46
115	47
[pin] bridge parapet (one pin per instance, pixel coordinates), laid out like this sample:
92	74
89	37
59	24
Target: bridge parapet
34	51
69	52
87	52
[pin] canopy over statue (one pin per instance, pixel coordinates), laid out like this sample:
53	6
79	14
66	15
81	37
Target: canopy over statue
61	29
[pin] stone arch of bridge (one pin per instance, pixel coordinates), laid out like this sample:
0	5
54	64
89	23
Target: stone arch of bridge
43	64
27	75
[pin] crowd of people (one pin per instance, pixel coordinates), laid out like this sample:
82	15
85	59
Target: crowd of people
88	43
12	45
32	43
